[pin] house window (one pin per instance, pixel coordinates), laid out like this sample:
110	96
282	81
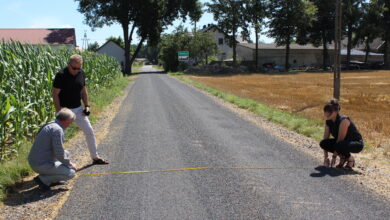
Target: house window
220	41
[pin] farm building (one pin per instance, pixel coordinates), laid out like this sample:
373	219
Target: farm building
54	37
300	55
111	48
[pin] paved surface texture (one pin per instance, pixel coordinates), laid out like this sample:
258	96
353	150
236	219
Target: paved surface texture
165	124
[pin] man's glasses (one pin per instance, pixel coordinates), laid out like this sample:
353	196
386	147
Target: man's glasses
75	68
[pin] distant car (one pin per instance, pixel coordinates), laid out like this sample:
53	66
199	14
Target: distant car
279	67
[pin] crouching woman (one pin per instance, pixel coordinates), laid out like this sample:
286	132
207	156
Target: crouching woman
346	137
47	156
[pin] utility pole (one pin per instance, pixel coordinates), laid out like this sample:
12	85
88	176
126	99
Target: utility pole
85	41
337	51
235	21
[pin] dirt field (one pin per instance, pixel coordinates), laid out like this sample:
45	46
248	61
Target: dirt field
365	98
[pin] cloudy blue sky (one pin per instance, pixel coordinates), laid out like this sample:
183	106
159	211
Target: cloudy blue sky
64	14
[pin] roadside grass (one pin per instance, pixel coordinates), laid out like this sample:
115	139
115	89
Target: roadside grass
14	170
158	67
308	127
138	64
135	69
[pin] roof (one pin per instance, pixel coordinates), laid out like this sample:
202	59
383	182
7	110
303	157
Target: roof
275	47
40	35
111	42
360	53
374	45
209	27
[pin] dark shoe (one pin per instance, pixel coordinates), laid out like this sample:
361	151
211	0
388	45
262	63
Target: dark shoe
100	161
60	183
43	187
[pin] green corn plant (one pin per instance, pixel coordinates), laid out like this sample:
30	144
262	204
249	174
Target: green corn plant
26	78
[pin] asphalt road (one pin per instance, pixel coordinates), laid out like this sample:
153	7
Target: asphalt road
165	124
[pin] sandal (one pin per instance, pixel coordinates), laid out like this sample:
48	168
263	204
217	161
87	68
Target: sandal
341	163
350	163
326	162
100	161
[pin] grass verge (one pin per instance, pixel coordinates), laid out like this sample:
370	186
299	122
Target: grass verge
307	127
158	67
14	170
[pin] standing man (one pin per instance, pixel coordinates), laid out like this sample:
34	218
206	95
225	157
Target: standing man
47	156
68	91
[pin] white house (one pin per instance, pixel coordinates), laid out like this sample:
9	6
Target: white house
111	48
225	51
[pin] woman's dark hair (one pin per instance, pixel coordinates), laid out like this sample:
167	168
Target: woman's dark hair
332	106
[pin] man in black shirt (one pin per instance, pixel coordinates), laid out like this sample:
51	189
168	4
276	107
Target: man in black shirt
68	91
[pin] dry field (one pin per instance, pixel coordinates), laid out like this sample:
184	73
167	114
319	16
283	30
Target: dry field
365	98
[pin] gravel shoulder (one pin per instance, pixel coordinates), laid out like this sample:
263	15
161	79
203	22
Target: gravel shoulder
27	202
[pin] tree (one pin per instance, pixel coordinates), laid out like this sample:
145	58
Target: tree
145	17
229	15
196	15
385	28
287	17
169	46
255	14
93	47
152	54
352	14
367	32
322	31
201	46
118	40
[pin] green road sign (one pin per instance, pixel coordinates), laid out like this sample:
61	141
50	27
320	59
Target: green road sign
183	55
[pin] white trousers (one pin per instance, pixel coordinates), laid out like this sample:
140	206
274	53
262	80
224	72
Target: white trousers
83	123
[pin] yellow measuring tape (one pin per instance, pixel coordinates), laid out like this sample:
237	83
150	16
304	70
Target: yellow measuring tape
185	169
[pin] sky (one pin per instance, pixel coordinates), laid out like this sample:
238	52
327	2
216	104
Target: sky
64	14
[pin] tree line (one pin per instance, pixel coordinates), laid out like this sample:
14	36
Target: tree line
286	21
305	22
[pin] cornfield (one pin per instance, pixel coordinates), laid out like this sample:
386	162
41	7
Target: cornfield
26	76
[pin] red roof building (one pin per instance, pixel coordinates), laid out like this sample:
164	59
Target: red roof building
40	36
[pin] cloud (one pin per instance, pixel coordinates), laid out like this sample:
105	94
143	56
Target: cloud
48	22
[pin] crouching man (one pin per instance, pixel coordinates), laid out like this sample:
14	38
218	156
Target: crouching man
47	155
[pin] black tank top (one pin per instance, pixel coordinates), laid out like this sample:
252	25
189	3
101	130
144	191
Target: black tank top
352	134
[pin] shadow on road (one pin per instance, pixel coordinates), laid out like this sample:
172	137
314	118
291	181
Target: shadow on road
85	167
333	172
28	192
